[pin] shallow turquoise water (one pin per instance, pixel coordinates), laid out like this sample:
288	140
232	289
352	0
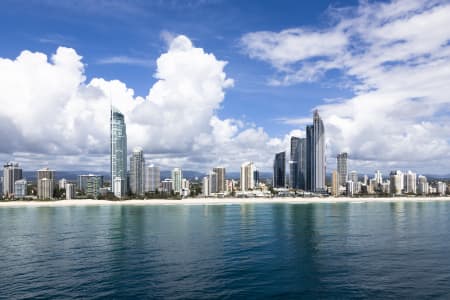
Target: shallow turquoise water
350	250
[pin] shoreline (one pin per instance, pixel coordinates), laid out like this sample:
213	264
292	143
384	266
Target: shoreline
217	201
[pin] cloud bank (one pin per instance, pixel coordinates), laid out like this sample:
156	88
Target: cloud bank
53	116
395	57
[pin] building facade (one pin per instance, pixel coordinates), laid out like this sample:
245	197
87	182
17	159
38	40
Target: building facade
342	167
11	173
20	188
152	178
220	172
246	179
118	151
279	170
177	176
45	183
137	167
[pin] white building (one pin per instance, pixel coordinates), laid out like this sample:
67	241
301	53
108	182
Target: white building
396	182
137	168
45	188
20	188
70	191
205	186
152	178
11	173
410	186
118	187
62	183
177	176
247	179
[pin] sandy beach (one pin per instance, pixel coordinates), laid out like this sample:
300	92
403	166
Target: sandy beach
218	201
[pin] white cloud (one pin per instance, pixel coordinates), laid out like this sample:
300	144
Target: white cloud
52	116
396	58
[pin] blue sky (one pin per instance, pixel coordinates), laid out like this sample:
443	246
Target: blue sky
285	58
133	30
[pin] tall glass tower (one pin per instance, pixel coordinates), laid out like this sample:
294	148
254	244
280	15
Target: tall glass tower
118	152
279	170
342	168
137	168
318	170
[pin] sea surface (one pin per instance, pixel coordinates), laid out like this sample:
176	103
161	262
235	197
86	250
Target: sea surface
279	251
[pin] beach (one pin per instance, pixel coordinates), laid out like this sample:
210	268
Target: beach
219	201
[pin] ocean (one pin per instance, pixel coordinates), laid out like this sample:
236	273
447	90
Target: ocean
249	251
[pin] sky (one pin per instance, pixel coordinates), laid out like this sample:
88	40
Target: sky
208	83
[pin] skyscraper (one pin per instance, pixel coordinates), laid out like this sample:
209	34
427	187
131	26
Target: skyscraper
177	176
279	170
118	153
220	172
342	167
293	163
212	183
11	173
335	184
45	183
152	178
137	166
309	156
20	188
297	163
318	157
247	179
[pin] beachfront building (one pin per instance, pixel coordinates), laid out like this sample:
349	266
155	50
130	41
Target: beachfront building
11	173
177	176
90	184
45	183
279	170
335	184
396	182
70	191
342	168
137	168
152	178
20	188
167	186
118	152
220	173
246	179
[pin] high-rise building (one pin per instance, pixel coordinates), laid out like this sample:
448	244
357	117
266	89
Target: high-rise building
205	186
318	155
410	182
45	183
293	163
167	185
212	183
220	172
396	182
246	180
353	176
70	191
152	178
335	184
90	184
45	188
378	177
309	156
137	167
11	173
297	163
20	188
256	179
62	183
422	186
118	185
177	176
279	170
118	152
342	167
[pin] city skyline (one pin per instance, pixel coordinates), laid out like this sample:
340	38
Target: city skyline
233	90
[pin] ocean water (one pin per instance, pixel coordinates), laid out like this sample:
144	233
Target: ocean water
279	251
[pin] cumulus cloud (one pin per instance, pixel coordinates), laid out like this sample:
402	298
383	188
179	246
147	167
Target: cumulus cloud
395	56
52	116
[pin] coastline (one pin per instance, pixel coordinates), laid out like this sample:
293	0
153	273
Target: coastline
218	201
